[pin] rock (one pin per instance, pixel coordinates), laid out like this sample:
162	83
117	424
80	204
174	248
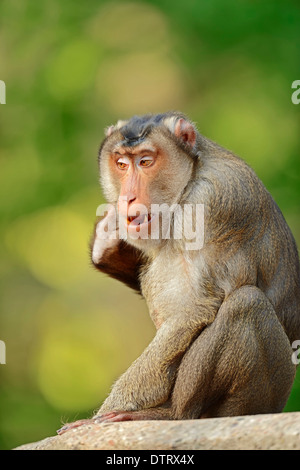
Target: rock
273	431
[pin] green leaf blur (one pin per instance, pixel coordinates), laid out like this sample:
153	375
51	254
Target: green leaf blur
72	68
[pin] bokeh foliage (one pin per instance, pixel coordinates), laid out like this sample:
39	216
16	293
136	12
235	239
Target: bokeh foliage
72	68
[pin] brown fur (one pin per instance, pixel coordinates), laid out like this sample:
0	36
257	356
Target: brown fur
226	314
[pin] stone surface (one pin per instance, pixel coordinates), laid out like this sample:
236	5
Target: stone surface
274	431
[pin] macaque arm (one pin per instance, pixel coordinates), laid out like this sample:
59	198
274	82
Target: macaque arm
122	262
114	256
149	380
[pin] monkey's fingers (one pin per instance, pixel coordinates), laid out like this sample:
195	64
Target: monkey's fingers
110	417
75	424
82	422
118	416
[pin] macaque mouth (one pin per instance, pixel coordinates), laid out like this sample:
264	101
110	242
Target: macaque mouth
139	219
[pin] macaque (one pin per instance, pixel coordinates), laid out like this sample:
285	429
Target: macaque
225	313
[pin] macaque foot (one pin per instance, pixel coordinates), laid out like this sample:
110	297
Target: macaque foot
110	417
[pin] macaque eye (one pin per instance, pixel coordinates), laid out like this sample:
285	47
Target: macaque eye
122	164
146	161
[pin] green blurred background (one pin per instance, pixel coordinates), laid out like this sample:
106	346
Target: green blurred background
71	68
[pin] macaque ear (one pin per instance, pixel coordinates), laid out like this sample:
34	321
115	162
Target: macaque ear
183	129
109	130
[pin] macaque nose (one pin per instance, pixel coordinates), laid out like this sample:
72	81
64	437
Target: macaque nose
131	200
125	202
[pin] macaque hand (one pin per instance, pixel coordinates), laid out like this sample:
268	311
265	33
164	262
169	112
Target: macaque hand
106	235
81	422
118	416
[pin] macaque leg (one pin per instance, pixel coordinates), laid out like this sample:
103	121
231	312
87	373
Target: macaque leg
240	364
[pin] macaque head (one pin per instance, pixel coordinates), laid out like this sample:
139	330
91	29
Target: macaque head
147	161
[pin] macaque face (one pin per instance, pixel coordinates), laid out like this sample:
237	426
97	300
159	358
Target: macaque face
136	170
141	172
146	165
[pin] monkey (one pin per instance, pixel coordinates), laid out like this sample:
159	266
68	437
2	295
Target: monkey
226	313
